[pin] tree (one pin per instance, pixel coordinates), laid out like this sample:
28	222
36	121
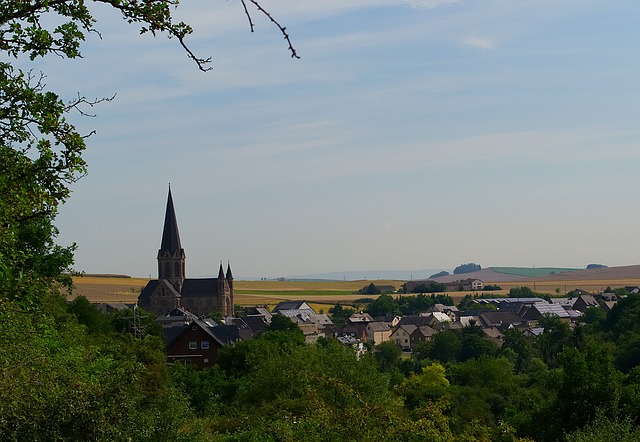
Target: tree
371	289
384	305
340	314
467	268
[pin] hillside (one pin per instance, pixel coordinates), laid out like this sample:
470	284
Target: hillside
608	273
487	275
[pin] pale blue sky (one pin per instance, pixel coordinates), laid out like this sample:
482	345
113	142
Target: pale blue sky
411	134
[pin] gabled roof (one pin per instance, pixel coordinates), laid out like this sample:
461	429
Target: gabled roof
170	236
292	305
423	330
199	287
360	317
145	296
415	320
222	334
256	324
542	308
378	326
320	319
407	328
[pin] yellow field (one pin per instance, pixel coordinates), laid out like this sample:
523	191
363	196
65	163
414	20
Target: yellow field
322	295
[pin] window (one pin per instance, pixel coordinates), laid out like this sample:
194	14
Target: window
204	345
193	345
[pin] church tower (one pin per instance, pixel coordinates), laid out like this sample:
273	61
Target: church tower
171	257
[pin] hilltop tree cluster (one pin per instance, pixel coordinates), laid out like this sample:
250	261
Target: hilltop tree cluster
466	268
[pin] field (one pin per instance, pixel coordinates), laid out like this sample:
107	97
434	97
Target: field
324	294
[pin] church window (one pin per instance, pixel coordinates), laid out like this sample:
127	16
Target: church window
177	266
167	271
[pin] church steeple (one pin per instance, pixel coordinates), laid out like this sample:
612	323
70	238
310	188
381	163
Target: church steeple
171	257
170	234
229	276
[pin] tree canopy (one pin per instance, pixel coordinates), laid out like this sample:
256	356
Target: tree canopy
467	268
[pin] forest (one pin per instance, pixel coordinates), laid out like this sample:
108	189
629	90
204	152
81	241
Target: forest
71	372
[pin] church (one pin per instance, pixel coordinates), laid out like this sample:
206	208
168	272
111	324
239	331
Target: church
172	289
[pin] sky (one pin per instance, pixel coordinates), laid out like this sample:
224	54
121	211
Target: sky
410	135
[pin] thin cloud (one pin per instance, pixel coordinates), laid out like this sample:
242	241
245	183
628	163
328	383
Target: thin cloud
480	42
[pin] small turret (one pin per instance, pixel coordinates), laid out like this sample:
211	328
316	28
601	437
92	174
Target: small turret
229	276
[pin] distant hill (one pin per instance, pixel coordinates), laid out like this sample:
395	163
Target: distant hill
371	275
487	275
533	272
607	273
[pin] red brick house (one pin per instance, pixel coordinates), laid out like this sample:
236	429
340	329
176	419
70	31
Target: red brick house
199	342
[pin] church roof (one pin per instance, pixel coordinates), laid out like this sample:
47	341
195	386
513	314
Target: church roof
170	235
199	287
144	300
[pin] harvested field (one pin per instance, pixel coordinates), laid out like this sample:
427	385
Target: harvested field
324	294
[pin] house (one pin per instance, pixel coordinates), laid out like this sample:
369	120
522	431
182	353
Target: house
401	336
421	335
199	342
355	331
391	320
259	311
177	317
464	285
172	289
378	332
436	318
493	334
535	311
297	311
501	319
416	320
584	302
359	318
256	324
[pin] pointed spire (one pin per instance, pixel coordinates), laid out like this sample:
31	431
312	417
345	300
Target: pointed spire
229	275
221	272
170	235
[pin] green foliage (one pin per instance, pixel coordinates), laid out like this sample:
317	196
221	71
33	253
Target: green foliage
61	383
523	292
468	303
340	314
605	429
467	268
552	341
429	287
587	383
412	305
384	305
371	289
